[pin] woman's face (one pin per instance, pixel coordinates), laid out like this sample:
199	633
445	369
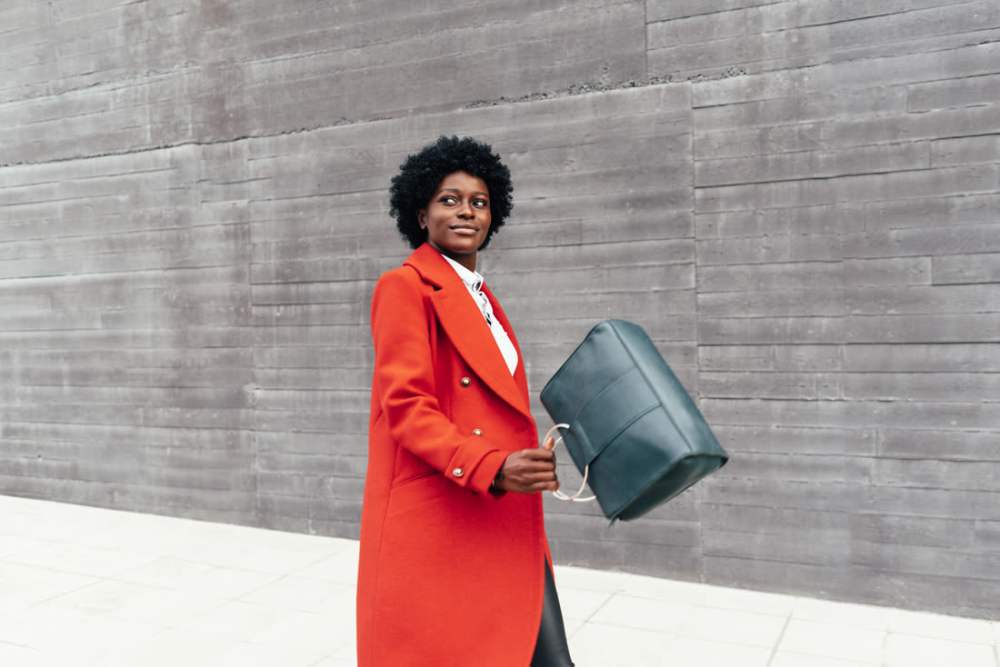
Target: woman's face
457	217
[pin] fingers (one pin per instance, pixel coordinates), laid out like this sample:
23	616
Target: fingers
532	470
536	487
540	480
531	473
534	466
538	454
543	486
540	476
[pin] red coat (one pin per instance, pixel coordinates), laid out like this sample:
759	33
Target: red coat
449	574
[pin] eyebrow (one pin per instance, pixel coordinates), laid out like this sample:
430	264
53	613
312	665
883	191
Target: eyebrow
477	192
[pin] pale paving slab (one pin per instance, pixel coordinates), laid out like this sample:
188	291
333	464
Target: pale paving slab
833	641
23	656
733	626
209	580
278	654
254	554
297	593
941	627
643	614
690	652
156	605
598	645
22	546
580	604
755	601
67	638
332	634
241	621
572	625
339	567
167	648
24	586
911	651
336	662
791	659
101	561
103	588
584	579
347	653
843	613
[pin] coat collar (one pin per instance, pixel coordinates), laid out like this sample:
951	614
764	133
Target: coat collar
467	329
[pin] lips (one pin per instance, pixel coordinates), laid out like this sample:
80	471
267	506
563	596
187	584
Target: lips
464	229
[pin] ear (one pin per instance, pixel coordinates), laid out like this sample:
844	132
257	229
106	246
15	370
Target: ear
422	218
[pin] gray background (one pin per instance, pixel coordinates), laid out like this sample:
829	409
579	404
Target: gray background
800	201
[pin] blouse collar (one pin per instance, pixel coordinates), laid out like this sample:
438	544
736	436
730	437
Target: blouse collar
472	279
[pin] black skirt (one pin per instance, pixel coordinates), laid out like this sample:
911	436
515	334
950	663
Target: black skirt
551	649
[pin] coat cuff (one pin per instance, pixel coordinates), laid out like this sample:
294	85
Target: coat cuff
486	471
474	463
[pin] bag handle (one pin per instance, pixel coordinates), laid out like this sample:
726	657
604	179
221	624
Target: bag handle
577	497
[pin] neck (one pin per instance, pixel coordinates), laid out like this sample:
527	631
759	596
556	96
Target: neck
468	261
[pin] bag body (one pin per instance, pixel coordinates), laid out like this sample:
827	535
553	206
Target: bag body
632	426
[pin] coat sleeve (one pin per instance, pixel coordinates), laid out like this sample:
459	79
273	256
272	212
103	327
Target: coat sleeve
404	382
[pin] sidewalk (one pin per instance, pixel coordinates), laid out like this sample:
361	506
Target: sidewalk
82	586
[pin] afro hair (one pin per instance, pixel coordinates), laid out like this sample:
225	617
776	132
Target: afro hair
420	174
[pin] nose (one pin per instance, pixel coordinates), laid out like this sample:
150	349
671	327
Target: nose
466	211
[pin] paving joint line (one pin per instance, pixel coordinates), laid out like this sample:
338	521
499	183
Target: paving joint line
777	642
596	611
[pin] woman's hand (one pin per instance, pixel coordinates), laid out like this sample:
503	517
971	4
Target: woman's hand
530	470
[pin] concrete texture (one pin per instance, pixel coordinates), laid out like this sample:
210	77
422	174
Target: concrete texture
800	201
121	589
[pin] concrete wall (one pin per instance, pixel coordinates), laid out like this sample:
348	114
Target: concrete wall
800	201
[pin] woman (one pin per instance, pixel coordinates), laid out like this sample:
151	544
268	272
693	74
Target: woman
455	569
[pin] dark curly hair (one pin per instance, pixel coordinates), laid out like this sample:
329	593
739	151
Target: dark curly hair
420	174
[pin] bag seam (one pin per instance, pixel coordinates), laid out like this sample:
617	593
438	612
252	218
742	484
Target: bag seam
654	389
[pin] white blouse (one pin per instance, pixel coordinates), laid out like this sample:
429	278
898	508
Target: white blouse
473	281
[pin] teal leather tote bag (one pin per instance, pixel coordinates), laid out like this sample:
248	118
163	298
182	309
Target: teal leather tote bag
627	422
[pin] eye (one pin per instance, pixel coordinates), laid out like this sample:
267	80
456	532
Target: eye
448	199
480	203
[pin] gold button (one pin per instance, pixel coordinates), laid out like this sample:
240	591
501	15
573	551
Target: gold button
457	472
477	431
465	381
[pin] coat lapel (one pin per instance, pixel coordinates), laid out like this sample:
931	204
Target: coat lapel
520	374
467	329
